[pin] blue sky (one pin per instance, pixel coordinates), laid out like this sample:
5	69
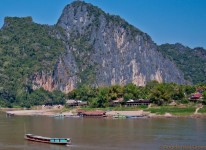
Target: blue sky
166	21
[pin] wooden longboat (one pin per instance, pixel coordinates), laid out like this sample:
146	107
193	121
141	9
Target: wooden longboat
58	141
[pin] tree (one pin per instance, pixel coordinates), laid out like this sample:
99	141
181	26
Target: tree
131	91
204	98
189	89
128	96
57	97
103	97
204	95
150	85
115	91
161	93
178	92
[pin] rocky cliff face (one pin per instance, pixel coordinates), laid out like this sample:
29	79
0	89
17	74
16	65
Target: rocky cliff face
105	50
110	51
63	77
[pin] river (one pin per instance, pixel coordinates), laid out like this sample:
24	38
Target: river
102	134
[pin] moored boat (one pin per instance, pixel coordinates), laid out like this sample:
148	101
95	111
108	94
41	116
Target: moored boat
135	117
58	116
59	141
118	116
72	116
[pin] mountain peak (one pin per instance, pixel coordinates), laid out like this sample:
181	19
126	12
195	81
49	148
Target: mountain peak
80	13
78	3
77	7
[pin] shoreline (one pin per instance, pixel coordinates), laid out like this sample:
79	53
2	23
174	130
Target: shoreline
109	114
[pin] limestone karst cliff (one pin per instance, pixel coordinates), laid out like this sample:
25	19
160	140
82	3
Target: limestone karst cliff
86	46
102	49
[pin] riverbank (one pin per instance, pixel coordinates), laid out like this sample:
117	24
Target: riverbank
150	112
43	112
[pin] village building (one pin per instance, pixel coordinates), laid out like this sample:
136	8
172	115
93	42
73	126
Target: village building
74	103
195	97
117	102
71	103
138	102
131	102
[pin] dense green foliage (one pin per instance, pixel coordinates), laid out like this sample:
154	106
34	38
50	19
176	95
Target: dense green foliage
159	94
41	97
192	62
25	48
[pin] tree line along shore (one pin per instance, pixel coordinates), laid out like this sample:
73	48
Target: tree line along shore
156	93
163	98
101	97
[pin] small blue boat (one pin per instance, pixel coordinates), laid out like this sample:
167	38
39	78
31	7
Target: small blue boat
59	116
135	117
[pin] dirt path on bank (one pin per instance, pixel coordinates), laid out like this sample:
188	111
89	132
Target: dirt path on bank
197	109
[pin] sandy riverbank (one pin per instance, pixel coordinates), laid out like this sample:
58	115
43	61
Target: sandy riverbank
51	112
44	111
127	113
30	112
54	111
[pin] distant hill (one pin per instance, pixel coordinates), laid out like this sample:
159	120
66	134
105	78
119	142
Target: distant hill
192	62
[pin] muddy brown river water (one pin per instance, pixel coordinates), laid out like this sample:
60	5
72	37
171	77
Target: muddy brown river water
102	134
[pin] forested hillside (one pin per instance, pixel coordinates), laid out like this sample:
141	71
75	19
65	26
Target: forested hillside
25	48
192	62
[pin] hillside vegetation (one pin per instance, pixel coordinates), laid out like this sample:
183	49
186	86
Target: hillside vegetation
25	48
192	62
